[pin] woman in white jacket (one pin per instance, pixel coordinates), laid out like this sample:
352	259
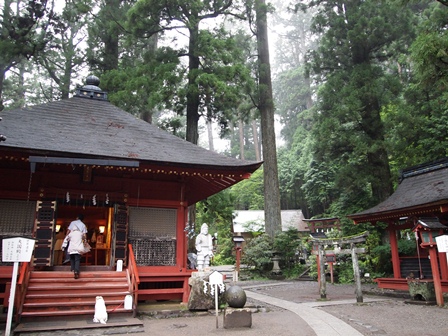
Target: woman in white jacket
75	249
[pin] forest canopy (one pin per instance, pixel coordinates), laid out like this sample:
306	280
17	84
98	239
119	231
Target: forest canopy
359	87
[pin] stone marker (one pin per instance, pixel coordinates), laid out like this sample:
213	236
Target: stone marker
235	297
200	299
235	316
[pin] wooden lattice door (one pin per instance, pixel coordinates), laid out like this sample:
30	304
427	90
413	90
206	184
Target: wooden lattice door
120	233
43	231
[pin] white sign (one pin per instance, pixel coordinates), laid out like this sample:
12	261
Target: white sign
216	278
17	249
442	243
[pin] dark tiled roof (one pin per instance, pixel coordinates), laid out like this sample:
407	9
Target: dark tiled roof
431	223
80	127
420	186
318	235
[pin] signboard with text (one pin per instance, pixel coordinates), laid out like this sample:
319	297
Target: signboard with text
442	243
331	258
17	249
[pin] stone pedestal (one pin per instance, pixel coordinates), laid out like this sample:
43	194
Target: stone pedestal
422	290
199	300
237	318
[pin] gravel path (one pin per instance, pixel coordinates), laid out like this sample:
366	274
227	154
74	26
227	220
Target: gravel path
387	316
392	316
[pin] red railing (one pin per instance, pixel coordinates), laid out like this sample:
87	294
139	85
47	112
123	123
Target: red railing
134	279
22	286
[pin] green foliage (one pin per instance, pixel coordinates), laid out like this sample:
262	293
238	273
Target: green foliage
294	271
418	126
345	272
347	168
26	27
64	58
257	254
289	245
111	46
248	194
407	247
217	212
215	74
381	262
292	167
143	87
313	272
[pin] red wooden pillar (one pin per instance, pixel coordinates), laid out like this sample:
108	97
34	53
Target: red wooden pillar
436	275
394	251
238	258
182	239
317	262
331	272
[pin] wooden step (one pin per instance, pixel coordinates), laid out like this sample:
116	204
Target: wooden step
69	274
71	312
62	303
87	293
78	286
57	293
81	278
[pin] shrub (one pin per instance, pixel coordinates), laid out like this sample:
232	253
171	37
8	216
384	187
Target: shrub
313	273
257	254
288	245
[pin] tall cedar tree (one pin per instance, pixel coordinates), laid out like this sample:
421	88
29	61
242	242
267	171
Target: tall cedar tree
64	58
154	16
266	107
358	38
19	34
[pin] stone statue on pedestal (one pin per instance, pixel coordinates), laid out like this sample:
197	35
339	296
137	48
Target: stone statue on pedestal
204	248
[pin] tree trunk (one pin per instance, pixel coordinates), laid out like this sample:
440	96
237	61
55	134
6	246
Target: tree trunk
192	90
377	158
256	143
68	66
21	86
111	39
241	133
210	135
2	79
4	65
266	107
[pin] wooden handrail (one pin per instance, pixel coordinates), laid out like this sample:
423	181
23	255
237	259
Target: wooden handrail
22	272
134	279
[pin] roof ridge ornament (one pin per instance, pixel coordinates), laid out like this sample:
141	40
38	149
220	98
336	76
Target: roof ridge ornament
423	168
91	89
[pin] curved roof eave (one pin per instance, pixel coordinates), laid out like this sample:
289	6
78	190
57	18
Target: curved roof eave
423	189
79	127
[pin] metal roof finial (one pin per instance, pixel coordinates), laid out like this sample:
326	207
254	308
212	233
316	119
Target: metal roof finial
91	89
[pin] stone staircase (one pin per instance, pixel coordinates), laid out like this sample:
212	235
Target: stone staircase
305	276
412	266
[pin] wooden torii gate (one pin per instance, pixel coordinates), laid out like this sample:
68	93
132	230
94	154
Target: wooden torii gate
352	240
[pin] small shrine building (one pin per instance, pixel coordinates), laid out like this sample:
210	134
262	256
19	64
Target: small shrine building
132	181
419	203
